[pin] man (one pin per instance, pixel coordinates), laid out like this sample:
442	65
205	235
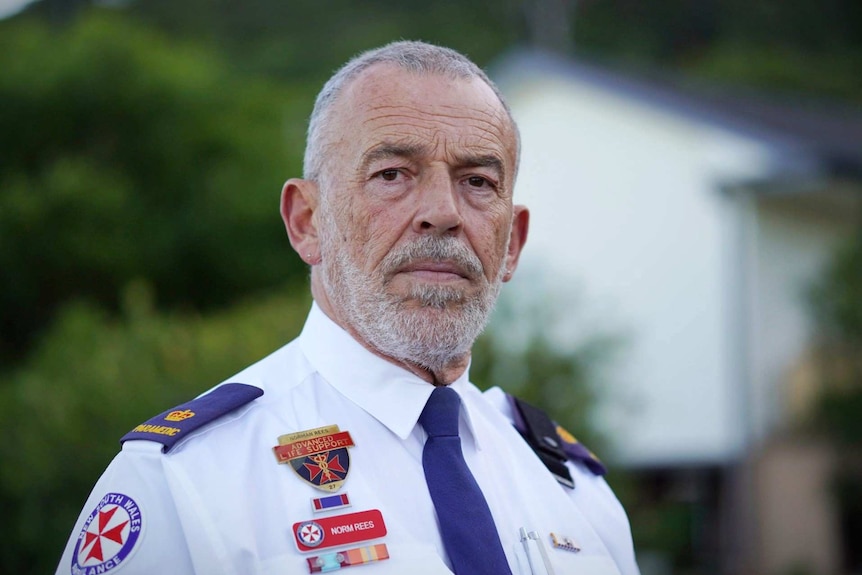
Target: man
362	441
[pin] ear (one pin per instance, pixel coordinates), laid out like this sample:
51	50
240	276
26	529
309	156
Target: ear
299	200
517	239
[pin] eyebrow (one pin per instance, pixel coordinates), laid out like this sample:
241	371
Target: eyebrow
388	150
483	161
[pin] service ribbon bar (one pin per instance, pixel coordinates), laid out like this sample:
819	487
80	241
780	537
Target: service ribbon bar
329	503
348	558
305	447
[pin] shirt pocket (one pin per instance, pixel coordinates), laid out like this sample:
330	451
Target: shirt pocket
559	562
403	558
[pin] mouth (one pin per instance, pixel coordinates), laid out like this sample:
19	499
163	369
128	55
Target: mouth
433	261
434	271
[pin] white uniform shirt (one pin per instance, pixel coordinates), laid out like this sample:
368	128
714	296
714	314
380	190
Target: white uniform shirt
218	503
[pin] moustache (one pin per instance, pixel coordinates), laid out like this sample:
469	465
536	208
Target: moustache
434	248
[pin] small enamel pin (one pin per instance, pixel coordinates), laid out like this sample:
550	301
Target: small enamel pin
564	542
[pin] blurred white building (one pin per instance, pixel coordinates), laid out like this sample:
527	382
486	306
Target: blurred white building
693	221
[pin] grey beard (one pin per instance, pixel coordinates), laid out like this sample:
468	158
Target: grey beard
431	336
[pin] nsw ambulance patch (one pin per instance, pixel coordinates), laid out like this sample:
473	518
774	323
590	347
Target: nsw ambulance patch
109	537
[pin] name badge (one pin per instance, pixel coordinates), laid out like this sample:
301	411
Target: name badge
324	532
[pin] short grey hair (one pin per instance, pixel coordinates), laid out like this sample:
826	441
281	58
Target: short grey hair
413	56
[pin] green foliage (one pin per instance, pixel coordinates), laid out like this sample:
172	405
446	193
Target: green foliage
836	299
784	68
127	156
521	353
836	302
666	527
822	25
306	39
92	379
808	47
839	414
642	33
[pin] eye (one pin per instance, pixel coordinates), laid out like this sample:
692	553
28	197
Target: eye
390	181
480	182
388	175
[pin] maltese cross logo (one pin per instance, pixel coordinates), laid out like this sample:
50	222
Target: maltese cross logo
109	535
310	533
105	531
326	470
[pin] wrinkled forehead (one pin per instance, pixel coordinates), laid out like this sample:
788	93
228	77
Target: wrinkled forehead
388	102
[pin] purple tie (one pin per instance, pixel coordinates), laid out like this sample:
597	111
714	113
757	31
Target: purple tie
466	525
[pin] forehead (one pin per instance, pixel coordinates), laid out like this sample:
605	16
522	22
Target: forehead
449	115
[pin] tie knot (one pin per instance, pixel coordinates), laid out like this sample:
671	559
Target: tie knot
440	416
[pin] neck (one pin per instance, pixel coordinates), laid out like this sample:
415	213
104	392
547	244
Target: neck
437	377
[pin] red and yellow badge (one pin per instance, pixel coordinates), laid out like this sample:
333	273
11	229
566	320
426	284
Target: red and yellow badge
319	456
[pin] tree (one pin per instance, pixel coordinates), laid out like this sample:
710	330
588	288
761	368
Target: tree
836	301
837	305
530	350
92	378
127	156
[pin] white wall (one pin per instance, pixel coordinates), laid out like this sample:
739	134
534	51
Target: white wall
626	204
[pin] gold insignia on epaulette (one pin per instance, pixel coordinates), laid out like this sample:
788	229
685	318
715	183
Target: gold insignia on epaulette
179	415
565	435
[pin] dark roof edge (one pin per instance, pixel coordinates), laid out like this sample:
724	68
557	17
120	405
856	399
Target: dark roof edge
734	114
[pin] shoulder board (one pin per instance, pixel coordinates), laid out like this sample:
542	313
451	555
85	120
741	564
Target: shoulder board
551	442
169	427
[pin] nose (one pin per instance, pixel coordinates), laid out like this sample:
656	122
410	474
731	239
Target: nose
437	210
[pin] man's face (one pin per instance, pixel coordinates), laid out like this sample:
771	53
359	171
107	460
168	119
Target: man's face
416	211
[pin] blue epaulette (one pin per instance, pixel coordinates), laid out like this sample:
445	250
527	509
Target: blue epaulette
551	442
169	427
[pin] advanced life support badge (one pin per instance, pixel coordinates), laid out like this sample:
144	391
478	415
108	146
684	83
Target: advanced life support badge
109	535
319	456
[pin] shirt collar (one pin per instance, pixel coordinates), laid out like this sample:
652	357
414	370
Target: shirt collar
389	393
